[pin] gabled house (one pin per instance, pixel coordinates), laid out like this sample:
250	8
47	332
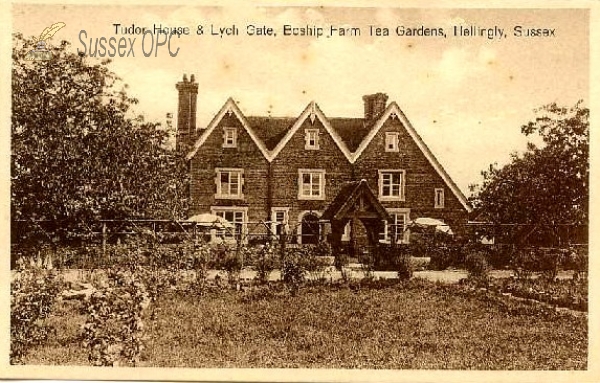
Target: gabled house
285	171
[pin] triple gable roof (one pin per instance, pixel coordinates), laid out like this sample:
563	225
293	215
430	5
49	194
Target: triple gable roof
351	135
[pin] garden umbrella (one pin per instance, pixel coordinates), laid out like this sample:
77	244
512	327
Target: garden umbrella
212	221
425	222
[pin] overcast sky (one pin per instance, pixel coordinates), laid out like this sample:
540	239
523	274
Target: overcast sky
467	97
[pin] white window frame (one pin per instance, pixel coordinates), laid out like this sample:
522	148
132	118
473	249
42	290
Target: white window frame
227	195
311	135
346	232
226	234
229	134
395	212
401	196
275	223
393	139
439	199
312	172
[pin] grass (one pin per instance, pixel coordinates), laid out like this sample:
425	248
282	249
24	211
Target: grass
417	325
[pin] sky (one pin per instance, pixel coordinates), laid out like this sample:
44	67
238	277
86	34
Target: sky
466	96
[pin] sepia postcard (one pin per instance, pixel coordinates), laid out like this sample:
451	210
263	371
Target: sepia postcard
301	191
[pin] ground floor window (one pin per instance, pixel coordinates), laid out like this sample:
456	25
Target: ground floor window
236	216
397	228
279	220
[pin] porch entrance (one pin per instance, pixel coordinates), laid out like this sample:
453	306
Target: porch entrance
356	203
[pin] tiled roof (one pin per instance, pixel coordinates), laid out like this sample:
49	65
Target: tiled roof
271	130
351	130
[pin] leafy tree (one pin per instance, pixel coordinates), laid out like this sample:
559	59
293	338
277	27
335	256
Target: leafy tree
77	153
548	185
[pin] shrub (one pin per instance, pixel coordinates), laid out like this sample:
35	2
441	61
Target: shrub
294	274
477	266
113	332
229	259
265	261
403	267
394	258
447	255
530	259
33	293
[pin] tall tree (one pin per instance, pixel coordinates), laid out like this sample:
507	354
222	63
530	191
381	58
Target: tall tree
548	185
77	153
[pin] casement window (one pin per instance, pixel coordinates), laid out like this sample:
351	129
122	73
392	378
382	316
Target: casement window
397	228
229	137
391	142
311	139
279	219
229	183
311	184
234	215
438	198
391	185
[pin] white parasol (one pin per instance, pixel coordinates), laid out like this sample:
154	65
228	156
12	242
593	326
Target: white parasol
212	221
425	222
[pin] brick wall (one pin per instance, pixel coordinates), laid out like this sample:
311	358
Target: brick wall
421	178
294	156
246	156
275	184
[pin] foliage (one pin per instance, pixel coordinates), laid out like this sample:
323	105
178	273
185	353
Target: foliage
477	265
293	272
566	293
113	332
548	185
265	260
77	154
394	258
33	293
445	256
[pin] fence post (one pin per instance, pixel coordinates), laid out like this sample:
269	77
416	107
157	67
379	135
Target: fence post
103	239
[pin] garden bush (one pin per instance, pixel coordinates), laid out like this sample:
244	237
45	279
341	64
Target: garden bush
446	255
477	266
293	272
265	260
394	258
33	293
113	332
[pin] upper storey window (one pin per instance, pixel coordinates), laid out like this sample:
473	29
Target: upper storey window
438	198
391	142
391	185
312	139
230	138
311	184
229	183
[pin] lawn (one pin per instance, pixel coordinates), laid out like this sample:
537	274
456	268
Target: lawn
416	325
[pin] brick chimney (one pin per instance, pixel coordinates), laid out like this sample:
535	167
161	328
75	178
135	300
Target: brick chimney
374	105
186	113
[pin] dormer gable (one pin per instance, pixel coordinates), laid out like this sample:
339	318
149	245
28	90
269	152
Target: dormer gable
230	108
394	112
311	114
